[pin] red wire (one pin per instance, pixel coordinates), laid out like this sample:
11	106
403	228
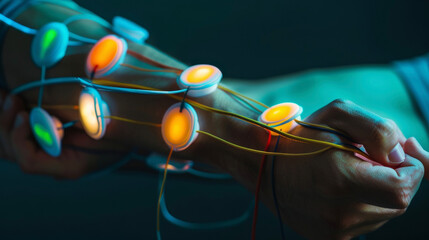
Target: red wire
150	61
258	187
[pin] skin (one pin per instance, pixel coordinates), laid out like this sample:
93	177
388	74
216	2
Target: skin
336	193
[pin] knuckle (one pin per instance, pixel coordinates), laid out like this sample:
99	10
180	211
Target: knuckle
339	104
402	198
383	129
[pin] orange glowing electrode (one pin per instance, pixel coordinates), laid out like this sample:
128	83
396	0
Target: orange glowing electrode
103	53
281	116
106	56
179	127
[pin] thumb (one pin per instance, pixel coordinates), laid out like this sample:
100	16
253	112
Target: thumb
413	148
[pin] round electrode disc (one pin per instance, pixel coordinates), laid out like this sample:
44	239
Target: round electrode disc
92	110
281	116
201	80
157	162
130	30
50	44
179	129
106	56
46	131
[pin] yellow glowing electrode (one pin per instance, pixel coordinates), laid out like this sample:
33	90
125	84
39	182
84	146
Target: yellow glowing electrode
281	116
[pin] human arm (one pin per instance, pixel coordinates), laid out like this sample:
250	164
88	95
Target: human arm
243	166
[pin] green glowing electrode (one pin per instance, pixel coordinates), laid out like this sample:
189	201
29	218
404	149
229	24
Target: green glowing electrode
43	134
47	40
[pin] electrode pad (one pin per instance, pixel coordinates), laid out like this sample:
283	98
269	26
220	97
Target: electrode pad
50	44
157	162
106	56
201	79
92	110
129	30
47	130
281	116
179	129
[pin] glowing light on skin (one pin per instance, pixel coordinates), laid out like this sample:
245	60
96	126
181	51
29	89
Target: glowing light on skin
106	56
47	130
50	44
88	113
47	40
179	128
281	116
200	79
43	134
103	53
201	74
169	167
92	110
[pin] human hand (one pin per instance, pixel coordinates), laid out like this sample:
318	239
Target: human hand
336	195
18	145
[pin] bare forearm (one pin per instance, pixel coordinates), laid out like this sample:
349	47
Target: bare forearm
138	107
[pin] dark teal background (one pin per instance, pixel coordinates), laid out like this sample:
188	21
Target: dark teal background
246	39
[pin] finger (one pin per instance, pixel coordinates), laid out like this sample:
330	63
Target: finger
29	156
381	137
414	149
12	105
384	186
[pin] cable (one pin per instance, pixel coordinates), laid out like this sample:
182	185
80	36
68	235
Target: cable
115	166
150	61
238	116
88	17
323	128
158	233
203	226
133	121
150	70
263	152
202	174
82	39
273	188
251	106
28	30
17	26
241	96
42	80
54	81
258	187
246	119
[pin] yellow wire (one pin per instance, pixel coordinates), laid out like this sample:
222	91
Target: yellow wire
242	96
238	116
149	70
262	152
133	121
320	126
161	190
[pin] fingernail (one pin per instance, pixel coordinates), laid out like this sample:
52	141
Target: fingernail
397	155
18	121
8	104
